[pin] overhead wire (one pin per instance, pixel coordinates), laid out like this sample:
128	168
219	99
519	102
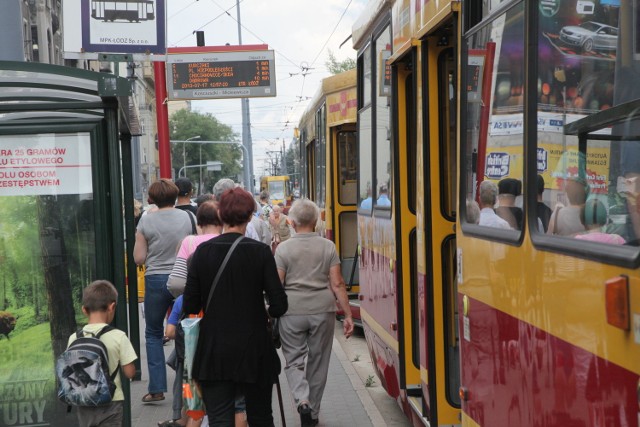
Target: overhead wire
304	69
332	32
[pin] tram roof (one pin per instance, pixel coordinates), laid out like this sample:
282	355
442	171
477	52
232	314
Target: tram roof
363	27
34	90
331	84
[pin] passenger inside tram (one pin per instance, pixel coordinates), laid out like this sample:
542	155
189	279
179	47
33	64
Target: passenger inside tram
594	219
488	197
473	212
508	190
566	220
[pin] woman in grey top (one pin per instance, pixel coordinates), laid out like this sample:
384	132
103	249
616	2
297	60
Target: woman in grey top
158	237
309	268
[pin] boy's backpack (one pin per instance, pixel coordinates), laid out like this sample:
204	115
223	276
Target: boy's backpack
82	371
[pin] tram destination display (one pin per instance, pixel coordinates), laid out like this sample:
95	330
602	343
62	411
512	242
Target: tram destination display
220	75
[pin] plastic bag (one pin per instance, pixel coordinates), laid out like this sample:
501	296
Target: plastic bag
191	329
191	394
192	398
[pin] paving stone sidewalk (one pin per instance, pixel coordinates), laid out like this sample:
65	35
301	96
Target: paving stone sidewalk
344	403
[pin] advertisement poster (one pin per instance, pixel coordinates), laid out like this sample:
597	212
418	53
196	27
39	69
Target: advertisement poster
114	26
45	164
47	256
553	163
578	48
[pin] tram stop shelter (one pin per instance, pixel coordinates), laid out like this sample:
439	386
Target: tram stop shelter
66	213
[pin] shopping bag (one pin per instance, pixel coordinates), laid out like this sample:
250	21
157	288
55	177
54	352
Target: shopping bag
191	329
192	398
191	394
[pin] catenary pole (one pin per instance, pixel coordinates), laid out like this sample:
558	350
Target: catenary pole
246	124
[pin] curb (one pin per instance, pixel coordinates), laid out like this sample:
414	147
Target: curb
369	406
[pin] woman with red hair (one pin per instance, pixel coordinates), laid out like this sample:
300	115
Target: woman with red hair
235	353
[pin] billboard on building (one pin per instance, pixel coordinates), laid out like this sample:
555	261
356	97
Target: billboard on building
114	26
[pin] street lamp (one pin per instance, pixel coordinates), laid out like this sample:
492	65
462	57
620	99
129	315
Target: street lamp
184	158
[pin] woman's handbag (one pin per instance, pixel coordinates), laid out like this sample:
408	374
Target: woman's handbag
275	241
191	394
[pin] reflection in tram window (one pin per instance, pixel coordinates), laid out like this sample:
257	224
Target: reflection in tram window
590	188
496	134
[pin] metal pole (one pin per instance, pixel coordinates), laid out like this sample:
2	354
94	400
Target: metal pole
246	123
164	150
184	157
200	180
239	144
284	160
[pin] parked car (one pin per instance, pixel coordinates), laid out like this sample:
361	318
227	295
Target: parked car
590	36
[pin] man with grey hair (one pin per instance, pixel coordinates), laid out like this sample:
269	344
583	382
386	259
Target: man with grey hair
220	187
473	212
488	197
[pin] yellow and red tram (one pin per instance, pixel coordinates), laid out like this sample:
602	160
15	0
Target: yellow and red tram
407	92
328	150
468	324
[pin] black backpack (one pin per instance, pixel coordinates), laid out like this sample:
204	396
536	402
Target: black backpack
82	371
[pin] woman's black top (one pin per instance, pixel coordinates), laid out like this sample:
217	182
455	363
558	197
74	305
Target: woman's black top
234	344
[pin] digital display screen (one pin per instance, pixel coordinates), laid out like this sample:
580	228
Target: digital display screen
216	75
473	78
475	70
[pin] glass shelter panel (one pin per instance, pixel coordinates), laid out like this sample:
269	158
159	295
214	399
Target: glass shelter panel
47	253
495	132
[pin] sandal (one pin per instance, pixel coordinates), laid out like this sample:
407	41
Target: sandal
152	397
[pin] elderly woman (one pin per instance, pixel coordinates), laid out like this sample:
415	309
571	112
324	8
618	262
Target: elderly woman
235	353
158	235
309	267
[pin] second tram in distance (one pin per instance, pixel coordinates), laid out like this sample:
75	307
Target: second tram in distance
327	138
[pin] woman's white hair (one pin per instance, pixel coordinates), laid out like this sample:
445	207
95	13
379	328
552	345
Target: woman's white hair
304	212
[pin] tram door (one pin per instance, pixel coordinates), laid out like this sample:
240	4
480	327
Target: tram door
344	198
439	341
406	150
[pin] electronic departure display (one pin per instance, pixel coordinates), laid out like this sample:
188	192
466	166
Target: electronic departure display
215	75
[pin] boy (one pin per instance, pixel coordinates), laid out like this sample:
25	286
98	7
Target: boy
99	305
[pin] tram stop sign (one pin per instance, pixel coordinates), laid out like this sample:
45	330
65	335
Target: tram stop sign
214	166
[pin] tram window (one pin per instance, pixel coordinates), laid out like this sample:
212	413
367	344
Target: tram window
494	127
311	170
320	156
347	163
448	124
365	193
588	191
364	97
384	160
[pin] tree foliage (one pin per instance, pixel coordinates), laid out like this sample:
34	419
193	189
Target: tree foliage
336	67
292	160
186	124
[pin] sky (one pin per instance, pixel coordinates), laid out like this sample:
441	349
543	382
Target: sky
301	32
